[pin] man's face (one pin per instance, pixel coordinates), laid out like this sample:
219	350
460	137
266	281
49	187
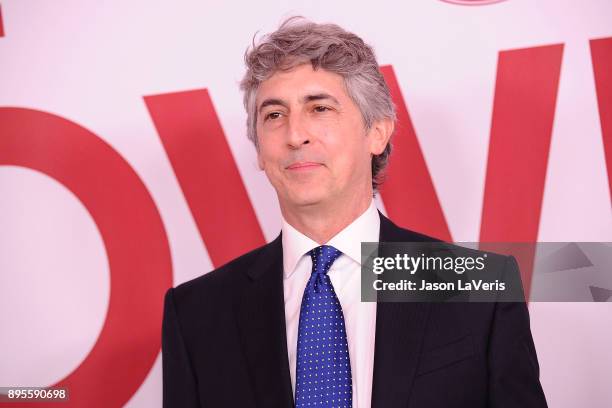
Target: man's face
313	144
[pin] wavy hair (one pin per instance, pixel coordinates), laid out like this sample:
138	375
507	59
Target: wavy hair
299	41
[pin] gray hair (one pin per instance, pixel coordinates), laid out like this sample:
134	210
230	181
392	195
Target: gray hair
298	41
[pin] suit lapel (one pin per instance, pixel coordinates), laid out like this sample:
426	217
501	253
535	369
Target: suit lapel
261	322
400	328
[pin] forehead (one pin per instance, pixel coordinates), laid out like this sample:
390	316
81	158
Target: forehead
300	81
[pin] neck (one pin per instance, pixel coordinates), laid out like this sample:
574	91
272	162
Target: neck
322	222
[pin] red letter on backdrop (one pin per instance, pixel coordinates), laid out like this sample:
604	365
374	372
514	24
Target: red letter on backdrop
525	98
1	25
408	191
204	166
521	129
601	55
134	239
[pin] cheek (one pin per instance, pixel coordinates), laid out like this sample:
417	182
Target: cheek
264	157
350	161
268	161
260	162
352	148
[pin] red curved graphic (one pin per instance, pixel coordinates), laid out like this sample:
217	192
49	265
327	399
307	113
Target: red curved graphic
134	238
472	2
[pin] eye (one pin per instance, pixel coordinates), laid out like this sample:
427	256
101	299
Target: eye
321	108
272	115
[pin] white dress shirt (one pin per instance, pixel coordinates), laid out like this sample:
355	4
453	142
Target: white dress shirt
345	275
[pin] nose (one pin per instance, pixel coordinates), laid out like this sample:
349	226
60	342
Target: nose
297	132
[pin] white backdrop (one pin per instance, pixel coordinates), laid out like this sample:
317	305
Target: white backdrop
93	62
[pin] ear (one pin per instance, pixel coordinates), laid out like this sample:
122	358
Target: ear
380	134
260	161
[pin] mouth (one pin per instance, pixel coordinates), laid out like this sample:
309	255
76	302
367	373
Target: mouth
303	166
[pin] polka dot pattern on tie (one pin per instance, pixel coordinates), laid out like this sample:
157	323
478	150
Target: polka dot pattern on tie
323	374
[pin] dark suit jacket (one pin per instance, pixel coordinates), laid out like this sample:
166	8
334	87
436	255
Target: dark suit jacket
224	344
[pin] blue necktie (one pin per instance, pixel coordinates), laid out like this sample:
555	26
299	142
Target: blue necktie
323	375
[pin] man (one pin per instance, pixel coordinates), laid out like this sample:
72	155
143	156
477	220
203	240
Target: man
283	325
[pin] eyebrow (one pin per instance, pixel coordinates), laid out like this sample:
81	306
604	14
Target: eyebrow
305	99
272	102
318	97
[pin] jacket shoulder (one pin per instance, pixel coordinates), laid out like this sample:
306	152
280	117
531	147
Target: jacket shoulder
230	276
390	232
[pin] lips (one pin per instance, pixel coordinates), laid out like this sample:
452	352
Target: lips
303	166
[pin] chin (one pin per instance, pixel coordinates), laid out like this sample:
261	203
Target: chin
306	201
306	198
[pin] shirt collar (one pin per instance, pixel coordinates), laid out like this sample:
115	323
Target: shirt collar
365	228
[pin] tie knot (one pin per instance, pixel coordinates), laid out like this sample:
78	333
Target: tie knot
323	257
